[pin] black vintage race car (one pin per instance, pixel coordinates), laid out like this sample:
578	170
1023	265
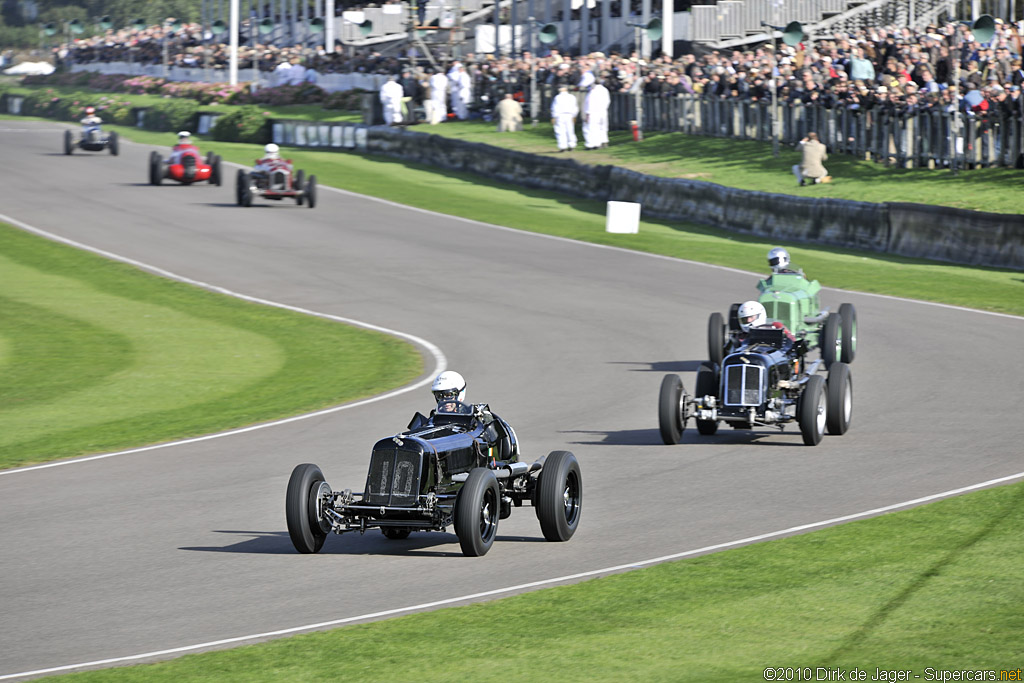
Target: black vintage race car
94	141
459	468
766	380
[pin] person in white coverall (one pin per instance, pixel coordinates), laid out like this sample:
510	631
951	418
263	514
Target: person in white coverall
438	102
459	85
595	116
563	117
391	100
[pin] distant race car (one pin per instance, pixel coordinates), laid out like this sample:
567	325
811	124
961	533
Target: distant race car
278	180
460	468
766	379
94	141
792	299
185	166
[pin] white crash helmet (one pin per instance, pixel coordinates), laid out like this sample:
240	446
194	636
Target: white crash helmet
183	136
778	259
751	314
448	385
272	151
90	111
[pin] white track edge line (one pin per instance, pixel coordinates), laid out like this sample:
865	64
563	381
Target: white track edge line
523	586
440	361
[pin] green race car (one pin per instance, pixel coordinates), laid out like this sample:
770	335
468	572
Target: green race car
791	299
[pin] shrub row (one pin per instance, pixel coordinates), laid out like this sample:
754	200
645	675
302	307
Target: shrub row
241	124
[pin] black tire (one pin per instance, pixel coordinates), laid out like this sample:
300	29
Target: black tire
209	158
840	399
716	339
156	171
832	340
310	191
112	143
239	185
812	411
670	410
244	189
297	182
734	318
848	318
559	496
707	385
69	144
477	510
215	170
307	528
394	534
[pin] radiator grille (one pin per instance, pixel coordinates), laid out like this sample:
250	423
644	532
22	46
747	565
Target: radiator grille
743	385
393	479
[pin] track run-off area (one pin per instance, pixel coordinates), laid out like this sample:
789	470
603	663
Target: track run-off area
155	552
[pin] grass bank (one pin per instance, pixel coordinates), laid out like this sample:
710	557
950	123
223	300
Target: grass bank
97	356
935	588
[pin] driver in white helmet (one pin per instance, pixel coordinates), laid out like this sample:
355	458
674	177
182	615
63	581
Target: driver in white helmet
778	261
270	162
91	122
184	143
449	388
751	314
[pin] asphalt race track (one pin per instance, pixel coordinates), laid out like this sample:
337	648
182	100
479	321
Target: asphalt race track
169	548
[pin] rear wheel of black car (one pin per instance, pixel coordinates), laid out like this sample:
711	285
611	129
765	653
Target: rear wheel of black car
112	143
476	512
215	170
303	508
559	497
832	340
670	410
840	398
297	183
156	171
848	317
69	142
394	534
310	191
812	411
716	339
707	385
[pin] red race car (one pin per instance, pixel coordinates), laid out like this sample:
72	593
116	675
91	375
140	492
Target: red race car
184	165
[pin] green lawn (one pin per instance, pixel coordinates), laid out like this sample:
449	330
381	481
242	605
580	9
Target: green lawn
938	586
96	356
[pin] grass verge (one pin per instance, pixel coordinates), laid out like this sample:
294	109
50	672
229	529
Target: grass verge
96	356
473	197
934	587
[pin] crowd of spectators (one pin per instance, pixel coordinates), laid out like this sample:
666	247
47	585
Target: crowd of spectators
889	67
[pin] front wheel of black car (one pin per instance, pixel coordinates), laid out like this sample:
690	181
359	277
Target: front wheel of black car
303	508
243	188
707	385
476	512
832	340
840	399
848	316
812	411
716	339
559	496
69	143
112	143
670	410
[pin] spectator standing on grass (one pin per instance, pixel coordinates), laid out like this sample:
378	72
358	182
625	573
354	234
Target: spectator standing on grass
438	102
564	110
595	116
510	114
391	101
460	84
811	167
